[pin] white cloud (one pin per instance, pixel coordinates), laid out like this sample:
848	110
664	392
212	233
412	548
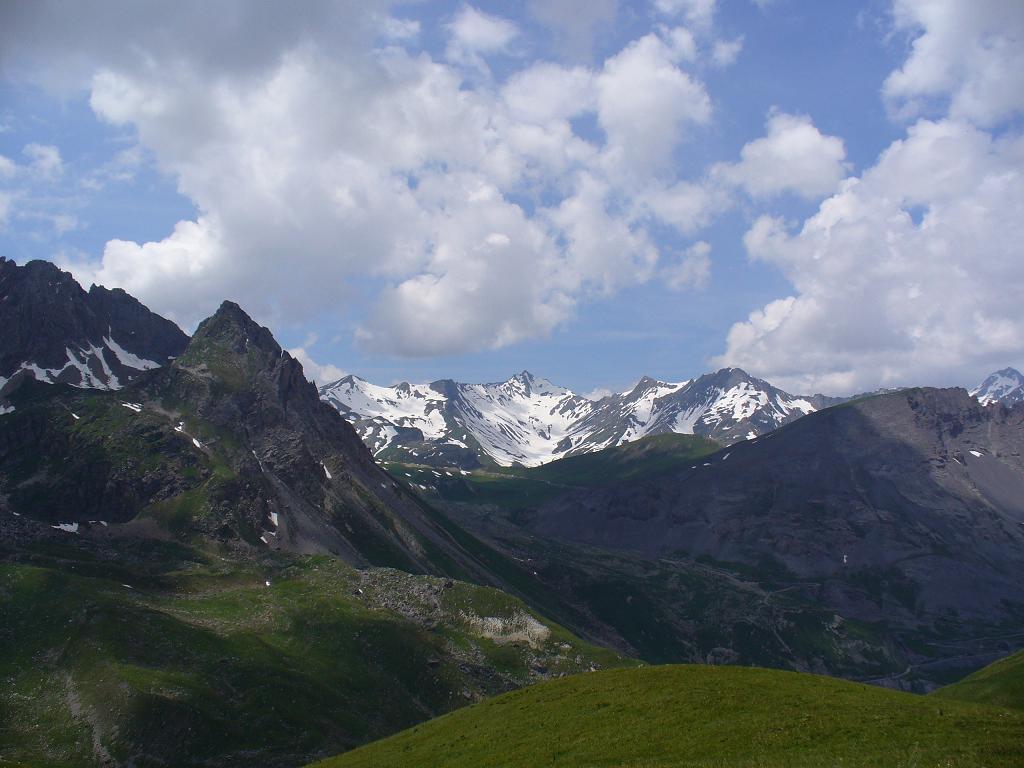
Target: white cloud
685	206
394	28
469	214
604	251
971	53
44	160
473	31
547	92
909	274
793	156
645	102
699	13
692	270
319	374
7	167
725	52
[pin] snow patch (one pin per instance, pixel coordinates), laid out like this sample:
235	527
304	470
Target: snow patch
128	359
67	527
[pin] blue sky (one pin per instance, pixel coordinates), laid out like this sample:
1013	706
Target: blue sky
826	194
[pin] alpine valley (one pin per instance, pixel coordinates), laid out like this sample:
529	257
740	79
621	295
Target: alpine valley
204	560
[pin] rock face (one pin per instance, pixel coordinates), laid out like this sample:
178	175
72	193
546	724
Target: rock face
229	441
1005	386
528	420
57	332
915	498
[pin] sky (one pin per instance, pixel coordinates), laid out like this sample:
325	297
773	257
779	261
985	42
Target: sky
828	195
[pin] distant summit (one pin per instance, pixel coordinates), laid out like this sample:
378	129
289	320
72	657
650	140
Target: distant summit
1005	386
528	420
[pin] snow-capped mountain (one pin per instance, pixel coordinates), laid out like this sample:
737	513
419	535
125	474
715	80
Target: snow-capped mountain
55	331
528	420
1005	386
521	420
728	406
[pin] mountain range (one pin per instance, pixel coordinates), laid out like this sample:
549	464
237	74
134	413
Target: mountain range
529	421
57	332
202	558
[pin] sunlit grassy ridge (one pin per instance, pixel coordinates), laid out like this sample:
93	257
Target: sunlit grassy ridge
1001	683
656	717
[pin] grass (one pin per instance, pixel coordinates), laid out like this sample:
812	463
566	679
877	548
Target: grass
163	655
1001	683
656	717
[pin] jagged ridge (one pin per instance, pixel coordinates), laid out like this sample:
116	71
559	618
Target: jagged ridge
528	420
58	332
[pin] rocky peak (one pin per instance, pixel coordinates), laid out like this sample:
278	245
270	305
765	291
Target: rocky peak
231	328
57	332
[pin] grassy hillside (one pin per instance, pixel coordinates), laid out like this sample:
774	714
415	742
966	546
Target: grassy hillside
522	487
153	654
1001	683
657	717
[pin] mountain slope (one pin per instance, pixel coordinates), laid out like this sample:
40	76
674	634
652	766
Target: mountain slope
57	332
144	652
512	488
659	717
530	421
229	443
1005	386
916	496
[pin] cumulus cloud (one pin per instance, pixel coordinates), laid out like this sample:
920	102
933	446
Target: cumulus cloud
473	211
967	57
474	32
725	52
645	102
44	160
699	13
793	156
909	274
692	270
394	28
7	167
